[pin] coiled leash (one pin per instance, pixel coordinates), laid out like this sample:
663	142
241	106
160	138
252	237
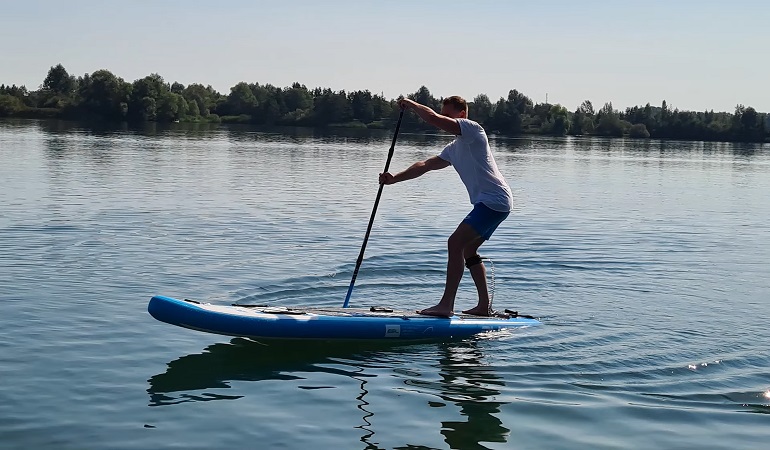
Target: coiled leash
507	313
477	259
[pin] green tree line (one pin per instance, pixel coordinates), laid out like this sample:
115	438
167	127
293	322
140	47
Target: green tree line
102	95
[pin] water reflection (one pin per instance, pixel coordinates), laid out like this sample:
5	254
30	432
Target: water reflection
464	380
241	360
472	385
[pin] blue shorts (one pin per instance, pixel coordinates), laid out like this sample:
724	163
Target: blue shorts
484	220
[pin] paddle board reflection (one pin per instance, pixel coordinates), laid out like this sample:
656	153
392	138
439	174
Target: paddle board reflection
244	360
456	382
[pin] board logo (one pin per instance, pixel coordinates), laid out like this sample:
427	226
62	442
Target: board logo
392	331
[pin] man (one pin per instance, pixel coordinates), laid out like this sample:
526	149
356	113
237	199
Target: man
490	195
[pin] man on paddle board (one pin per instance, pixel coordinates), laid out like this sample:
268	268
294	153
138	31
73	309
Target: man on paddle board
489	193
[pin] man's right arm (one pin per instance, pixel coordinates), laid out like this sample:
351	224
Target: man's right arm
415	170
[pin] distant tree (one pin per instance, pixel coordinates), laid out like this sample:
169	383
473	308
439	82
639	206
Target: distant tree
587	108
576	126
639	131
647	118
607	109
588	125
505	119
382	107
520	102
241	100
205	97
686	124
146	109
58	81
270	103
104	95
146	95
331	107
508	114
298	100
192	108
609	123
480	109
664	119
177	88
9	105
271	110
718	128
558	121
541	114
152	86
424	96
363	106
748	125
170	107
583	119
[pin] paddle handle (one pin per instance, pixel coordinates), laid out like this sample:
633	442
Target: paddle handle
374	212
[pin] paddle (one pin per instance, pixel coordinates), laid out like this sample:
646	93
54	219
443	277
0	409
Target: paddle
374	212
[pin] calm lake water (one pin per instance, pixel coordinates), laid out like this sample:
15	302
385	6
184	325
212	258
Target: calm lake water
648	263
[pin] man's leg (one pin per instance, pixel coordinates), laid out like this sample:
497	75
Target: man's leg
463	240
486	220
479	275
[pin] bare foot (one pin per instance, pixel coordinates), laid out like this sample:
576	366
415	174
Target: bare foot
478	311
437	311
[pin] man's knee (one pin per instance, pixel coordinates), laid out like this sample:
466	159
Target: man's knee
464	237
456	243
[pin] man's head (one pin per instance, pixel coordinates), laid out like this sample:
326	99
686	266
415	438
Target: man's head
455	107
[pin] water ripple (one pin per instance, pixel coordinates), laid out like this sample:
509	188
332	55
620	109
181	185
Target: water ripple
647	267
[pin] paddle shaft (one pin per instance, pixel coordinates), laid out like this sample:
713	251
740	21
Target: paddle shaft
374	212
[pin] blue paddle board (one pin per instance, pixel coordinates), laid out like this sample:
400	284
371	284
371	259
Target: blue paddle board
279	322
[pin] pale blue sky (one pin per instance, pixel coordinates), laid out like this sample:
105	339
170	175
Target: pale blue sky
697	55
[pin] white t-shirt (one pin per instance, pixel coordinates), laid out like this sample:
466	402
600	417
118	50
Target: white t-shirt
472	158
